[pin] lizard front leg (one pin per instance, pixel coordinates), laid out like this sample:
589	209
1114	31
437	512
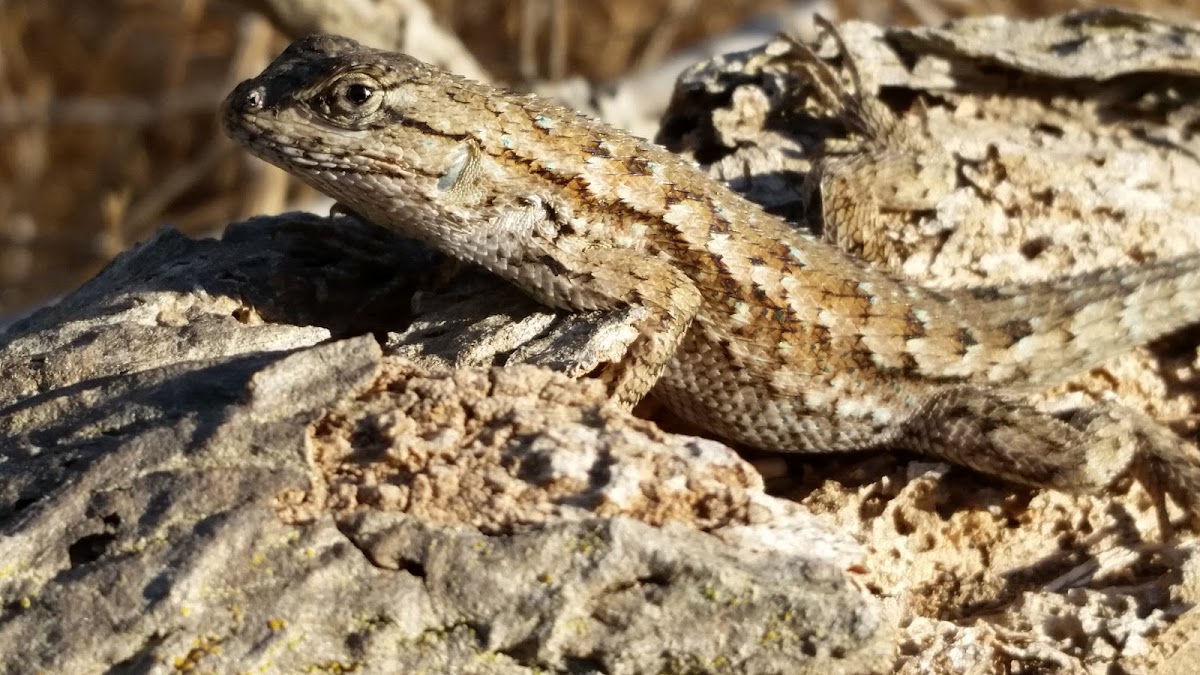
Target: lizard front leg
623	278
542	255
540	244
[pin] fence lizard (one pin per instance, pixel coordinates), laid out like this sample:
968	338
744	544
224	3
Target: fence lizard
752	329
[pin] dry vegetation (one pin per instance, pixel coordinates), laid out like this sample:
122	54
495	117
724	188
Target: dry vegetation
107	106
933	12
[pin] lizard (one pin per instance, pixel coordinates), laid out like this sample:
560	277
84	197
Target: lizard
756	331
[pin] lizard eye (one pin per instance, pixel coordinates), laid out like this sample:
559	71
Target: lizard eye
358	93
354	96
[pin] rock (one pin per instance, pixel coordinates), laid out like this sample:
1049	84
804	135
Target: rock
300	448
1075	142
201	472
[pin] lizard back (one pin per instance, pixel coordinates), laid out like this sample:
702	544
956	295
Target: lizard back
788	326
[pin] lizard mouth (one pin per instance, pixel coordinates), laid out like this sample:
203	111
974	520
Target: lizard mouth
241	120
247	118
240	110
261	131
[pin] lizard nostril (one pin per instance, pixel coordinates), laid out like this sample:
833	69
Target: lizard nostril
253	99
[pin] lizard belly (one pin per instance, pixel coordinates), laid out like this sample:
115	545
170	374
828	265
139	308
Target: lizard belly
703	386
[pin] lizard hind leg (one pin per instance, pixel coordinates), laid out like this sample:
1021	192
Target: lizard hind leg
860	111
860	186
1087	453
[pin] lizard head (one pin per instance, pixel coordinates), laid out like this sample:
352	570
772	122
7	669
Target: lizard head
344	117
322	92
468	168
320	79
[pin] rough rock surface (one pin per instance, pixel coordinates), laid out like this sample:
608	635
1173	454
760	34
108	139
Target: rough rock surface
1076	142
199	472
208	462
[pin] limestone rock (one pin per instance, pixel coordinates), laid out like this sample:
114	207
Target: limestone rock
1076	144
301	448
199	471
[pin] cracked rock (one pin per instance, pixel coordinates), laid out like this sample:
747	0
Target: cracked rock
204	468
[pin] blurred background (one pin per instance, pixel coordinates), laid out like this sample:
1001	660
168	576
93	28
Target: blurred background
108	107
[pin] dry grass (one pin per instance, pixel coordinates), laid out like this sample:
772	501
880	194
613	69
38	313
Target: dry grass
933	12
552	38
107	109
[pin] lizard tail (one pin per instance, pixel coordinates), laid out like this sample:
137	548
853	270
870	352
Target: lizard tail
1043	332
